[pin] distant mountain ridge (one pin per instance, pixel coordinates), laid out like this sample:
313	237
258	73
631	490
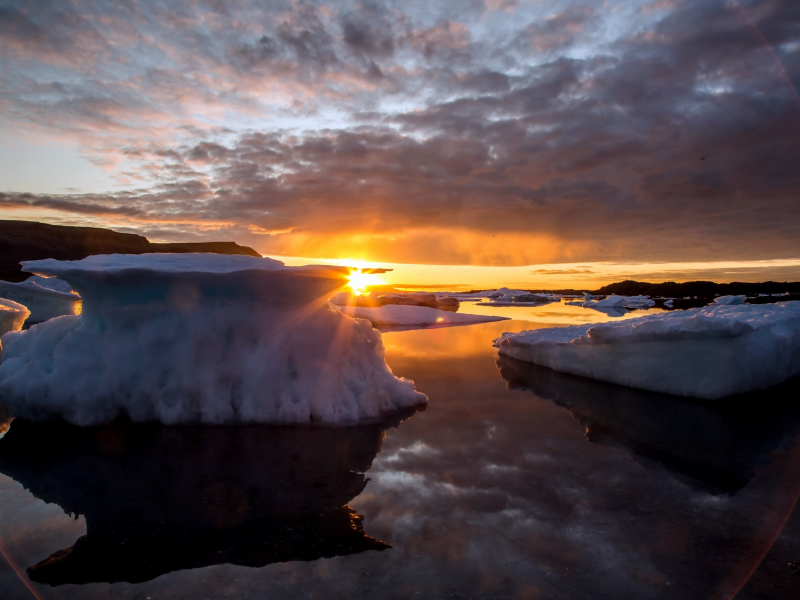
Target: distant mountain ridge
701	289
671	289
30	240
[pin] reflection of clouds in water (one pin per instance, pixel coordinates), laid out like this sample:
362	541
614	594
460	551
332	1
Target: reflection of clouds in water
535	506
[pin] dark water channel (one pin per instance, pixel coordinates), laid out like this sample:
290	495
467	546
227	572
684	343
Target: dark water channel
515	483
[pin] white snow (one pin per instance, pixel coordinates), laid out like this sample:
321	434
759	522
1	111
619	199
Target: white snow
505	294
624	301
209	338
43	302
708	352
729	300
51	283
12	316
156	262
394	315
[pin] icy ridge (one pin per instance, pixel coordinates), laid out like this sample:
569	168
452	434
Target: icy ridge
43	302
708	352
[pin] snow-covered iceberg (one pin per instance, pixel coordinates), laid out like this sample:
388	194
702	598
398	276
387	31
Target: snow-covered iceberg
199	338
614	306
708	352
393	315
45	297
730	300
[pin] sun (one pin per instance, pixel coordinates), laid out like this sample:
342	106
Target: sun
360	280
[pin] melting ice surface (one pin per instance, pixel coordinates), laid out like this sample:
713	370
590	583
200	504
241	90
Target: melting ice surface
709	352
208	338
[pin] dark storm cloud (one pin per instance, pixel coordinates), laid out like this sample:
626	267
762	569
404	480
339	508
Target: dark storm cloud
391	124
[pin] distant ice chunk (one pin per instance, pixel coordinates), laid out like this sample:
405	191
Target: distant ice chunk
506	294
613	305
612	300
730	300
394	315
668	303
45	297
708	352
624	301
183	338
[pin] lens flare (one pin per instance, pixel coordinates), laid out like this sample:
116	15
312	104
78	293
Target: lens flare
360	281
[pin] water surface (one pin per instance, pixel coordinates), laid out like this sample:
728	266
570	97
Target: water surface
515	482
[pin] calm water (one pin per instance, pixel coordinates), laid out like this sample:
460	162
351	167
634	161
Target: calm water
515	483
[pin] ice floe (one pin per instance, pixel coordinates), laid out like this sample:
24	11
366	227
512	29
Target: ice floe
205	338
414	316
614	306
45	297
730	300
708	352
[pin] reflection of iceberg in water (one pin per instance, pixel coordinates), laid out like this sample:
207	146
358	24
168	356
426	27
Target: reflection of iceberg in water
709	447
159	499
611	311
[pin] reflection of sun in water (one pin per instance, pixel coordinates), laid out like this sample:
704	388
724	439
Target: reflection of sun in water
359	281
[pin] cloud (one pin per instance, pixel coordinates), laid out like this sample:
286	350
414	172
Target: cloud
563	271
446	136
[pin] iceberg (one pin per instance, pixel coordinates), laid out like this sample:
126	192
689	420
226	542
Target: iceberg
614	301
394	315
623	301
613	305
710	352
208	338
45	297
729	300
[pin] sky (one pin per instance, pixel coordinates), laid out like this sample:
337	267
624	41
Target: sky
587	139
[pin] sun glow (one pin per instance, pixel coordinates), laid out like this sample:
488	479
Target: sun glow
361	280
